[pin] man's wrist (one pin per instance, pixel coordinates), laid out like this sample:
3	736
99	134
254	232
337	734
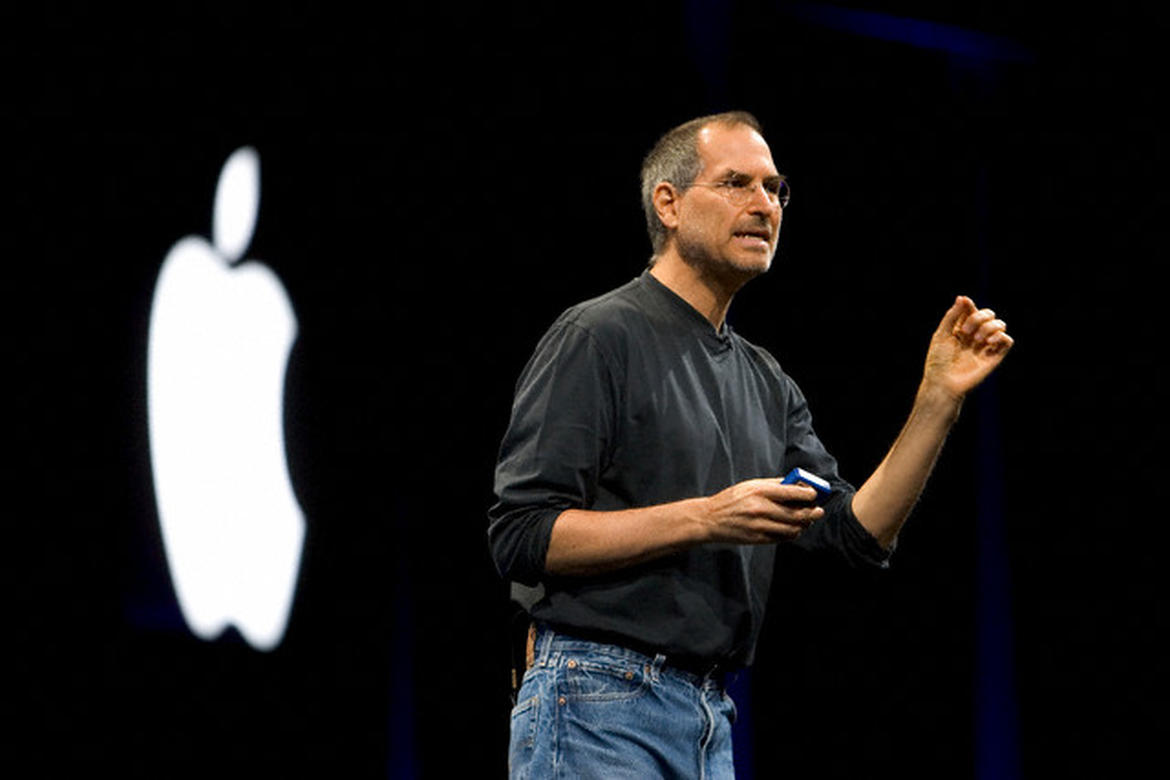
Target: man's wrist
937	400
698	510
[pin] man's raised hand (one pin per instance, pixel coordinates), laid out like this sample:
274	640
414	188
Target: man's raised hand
967	346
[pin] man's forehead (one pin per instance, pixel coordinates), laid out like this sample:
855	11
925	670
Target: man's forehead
737	147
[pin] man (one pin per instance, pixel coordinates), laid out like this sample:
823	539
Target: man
639	486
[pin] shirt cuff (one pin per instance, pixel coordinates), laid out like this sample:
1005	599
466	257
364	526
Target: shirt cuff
863	546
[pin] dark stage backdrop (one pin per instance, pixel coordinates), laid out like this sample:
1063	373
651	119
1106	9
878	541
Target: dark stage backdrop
437	184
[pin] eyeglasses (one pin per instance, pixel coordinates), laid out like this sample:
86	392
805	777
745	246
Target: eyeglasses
739	190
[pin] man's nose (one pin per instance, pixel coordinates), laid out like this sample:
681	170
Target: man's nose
761	202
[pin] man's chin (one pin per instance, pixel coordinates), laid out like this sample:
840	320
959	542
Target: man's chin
735	273
752	265
735	268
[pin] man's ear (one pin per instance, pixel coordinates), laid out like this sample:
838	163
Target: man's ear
666	200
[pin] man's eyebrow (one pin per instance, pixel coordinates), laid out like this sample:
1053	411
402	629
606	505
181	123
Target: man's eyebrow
732	173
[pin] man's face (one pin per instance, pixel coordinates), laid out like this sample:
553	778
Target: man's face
717	234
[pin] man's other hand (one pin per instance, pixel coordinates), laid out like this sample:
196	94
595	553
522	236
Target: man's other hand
760	511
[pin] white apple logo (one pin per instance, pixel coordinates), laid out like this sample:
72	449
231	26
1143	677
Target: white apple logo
220	336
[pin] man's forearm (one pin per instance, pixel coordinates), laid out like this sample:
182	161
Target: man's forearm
885	500
587	542
755	511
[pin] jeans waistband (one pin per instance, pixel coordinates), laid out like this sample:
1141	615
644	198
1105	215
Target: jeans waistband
542	638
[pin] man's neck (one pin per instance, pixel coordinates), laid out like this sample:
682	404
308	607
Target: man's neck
706	293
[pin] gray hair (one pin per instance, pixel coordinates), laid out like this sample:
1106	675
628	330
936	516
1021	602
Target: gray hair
675	159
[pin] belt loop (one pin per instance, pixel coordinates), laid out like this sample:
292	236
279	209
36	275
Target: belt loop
656	665
540	637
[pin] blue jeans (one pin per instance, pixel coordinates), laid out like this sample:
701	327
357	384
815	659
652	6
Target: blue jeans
591	710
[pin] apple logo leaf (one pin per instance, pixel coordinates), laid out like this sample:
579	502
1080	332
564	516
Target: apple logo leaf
237	201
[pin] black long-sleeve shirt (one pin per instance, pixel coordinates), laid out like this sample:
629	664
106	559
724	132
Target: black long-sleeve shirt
633	399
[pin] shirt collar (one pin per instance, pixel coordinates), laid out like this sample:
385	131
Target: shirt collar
717	341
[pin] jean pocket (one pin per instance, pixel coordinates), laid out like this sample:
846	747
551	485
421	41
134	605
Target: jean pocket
524	716
603	679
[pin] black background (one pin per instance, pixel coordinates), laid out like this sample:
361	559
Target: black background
437	185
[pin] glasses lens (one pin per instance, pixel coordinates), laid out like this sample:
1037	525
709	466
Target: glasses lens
782	194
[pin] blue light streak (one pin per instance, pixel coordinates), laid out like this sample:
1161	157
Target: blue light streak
913	32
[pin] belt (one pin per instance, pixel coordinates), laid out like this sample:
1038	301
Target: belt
704	670
696	667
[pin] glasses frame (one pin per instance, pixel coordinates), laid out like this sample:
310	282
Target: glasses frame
739	195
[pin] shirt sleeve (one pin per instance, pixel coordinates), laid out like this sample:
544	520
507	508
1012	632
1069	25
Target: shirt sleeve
839	530
557	441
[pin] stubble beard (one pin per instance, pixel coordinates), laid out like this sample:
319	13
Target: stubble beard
726	271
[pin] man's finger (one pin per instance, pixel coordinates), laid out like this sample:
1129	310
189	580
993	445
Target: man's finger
959	310
777	530
975	321
803	516
999	343
775	490
988	329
